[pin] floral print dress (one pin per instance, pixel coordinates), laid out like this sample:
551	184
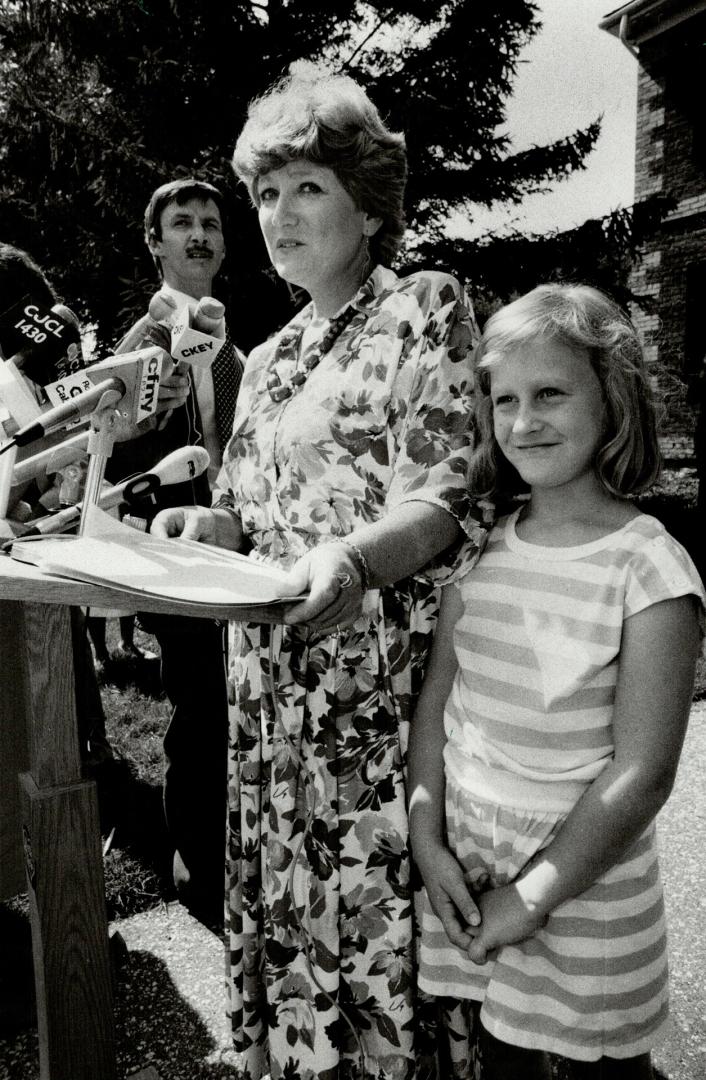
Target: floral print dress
320	935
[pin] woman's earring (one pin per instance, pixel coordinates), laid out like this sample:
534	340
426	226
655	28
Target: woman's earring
296	295
368	265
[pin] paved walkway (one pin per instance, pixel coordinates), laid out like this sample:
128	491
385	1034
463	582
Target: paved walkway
170	1011
682	844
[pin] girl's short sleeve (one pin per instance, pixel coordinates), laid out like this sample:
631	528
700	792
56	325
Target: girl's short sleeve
662	570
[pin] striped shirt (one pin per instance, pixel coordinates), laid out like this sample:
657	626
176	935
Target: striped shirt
529	718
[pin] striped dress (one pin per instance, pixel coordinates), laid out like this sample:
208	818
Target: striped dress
528	727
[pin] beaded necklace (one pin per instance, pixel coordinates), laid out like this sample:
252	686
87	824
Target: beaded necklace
288	350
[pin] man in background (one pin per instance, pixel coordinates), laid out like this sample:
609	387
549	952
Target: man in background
184	233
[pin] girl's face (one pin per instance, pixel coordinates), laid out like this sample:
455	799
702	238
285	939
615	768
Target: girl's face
313	229
548	412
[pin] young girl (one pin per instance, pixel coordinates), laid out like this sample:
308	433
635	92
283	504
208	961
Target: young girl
555	706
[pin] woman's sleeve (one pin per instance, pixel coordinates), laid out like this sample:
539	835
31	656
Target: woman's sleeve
430	418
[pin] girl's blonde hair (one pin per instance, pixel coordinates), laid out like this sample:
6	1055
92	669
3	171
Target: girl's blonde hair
628	460
329	120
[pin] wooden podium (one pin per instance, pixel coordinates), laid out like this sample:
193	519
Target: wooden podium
49	830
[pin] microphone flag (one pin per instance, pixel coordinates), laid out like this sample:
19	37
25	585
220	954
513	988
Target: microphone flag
191	346
139	371
44	343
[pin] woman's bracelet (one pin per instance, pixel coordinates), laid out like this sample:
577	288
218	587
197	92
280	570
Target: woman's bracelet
224	504
359	559
234	515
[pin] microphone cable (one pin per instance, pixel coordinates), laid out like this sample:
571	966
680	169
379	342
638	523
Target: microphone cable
192	430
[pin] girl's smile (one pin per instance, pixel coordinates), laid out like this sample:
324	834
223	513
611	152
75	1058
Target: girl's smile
548	412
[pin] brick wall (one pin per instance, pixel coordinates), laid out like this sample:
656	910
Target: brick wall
670	160
649	142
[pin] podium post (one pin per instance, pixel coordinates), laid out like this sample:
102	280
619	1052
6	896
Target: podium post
50	823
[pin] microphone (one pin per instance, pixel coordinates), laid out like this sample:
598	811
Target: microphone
207	315
130	381
112	390
43	343
198	333
181	465
50	460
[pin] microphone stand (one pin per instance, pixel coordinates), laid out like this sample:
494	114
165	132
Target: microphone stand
101	438
7	464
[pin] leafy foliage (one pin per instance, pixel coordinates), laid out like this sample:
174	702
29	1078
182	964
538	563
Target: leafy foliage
600	252
105	99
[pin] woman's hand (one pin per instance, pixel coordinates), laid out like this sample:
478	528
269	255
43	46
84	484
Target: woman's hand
331	577
450	895
188	522
218	526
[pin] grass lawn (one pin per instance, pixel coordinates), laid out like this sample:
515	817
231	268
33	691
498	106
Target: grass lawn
138	858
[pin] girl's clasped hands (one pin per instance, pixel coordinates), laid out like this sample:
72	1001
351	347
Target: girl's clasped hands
477	917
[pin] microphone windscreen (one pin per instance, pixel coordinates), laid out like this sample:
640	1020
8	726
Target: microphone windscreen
182	464
68	315
208	315
162	306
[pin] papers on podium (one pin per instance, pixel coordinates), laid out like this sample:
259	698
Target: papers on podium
182	571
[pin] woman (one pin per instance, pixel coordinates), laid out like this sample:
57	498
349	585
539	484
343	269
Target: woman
347	464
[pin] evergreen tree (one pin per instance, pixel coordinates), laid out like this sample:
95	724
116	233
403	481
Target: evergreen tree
102	100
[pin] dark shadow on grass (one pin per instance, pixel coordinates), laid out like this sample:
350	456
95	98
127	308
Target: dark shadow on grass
151	1015
138	865
155	1026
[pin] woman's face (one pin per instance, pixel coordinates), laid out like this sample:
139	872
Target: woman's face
314	231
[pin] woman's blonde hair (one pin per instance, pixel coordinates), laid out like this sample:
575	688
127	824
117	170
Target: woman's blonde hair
628	460
329	120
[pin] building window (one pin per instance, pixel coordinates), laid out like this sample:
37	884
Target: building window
684	86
